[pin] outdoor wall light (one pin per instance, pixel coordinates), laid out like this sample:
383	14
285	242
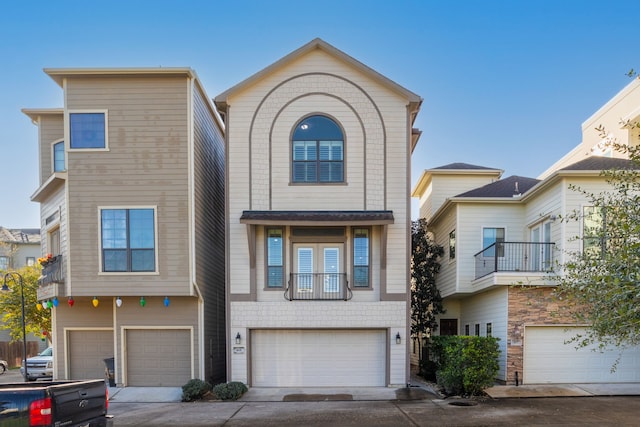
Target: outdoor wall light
118	302
238	338
398	339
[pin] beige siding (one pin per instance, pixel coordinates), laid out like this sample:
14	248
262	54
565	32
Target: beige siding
146	165
447	277
51	129
263	119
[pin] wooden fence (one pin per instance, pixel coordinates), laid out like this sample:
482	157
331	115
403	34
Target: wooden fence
12	351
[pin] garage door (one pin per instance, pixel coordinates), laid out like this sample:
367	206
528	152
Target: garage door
87	351
547	359
316	358
158	358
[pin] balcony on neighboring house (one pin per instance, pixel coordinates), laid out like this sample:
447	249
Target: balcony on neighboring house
52	272
318	286
526	257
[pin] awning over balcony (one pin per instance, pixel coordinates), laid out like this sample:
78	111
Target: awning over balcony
317	217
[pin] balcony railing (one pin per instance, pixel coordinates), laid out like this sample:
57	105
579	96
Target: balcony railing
52	272
515	256
318	286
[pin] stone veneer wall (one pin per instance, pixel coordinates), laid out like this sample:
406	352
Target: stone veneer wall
529	306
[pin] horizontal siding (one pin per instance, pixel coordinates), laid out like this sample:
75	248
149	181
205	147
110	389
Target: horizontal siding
146	165
447	277
472	218
51	128
367	119
488	307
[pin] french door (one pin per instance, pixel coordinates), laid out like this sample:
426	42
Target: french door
318	270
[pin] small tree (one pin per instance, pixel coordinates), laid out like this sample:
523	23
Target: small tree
37	321
600	282
426	301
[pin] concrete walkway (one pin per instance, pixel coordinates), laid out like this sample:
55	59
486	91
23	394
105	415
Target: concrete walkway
419	390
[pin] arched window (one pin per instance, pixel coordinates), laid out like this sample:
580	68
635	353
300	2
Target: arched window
318	151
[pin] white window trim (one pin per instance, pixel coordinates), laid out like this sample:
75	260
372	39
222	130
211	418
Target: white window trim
67	132
155	242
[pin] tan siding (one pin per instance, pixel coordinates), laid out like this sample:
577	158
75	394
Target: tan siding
146	165
51	129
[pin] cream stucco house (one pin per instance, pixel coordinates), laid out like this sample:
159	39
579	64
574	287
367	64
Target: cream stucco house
132	212
503	240
318	217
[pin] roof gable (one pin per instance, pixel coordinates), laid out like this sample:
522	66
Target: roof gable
221	100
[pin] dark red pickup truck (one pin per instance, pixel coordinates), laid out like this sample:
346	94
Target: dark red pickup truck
56	404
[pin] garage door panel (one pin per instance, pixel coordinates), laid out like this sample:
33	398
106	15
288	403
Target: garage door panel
158	358
318	358
87	351
547	359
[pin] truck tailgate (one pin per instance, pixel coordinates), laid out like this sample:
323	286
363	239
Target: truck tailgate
83	402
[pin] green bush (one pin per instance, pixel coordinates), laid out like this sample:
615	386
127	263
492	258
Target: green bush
230	391
465	365
194	390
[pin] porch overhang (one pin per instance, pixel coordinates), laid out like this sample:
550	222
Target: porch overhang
317	217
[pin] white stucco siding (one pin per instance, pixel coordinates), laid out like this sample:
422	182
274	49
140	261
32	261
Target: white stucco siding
488	307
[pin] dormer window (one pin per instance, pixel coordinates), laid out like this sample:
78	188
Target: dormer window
317	151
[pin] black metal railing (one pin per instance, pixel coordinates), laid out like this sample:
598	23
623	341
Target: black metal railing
52	272
515	256
318	286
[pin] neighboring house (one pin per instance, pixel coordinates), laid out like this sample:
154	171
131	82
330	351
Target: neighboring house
502	240
318	222
132	211
18	247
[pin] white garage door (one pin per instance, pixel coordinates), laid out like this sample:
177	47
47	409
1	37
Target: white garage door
317	358
158	358
87	351
547	359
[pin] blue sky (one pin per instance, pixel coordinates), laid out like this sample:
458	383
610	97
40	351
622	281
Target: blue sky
506	84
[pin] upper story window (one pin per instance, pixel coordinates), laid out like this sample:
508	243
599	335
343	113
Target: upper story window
275	258
318	151
88	130
4	263
30	261
58	157
361	252
128	240
593	238
491	236
452	244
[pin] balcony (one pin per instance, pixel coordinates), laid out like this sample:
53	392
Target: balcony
52	272
527	257
318	286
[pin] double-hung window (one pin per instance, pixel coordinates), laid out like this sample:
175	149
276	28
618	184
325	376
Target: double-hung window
58	157
128	240
4	263
275	258
88	130
361	257
593	238
317	151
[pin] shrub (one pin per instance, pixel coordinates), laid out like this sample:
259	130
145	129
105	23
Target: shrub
465	365
230	391
194	390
